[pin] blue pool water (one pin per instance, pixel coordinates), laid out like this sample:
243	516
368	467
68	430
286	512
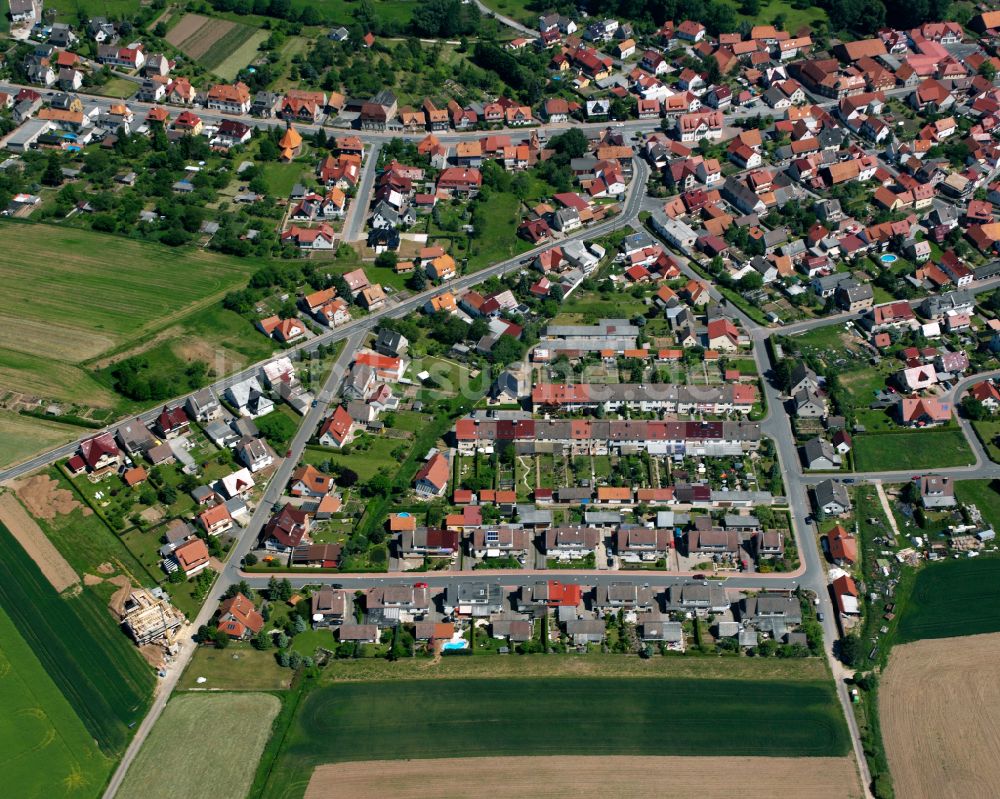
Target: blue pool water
889	258
456	645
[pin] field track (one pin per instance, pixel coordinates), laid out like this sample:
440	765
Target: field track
939	703
589	778
30	536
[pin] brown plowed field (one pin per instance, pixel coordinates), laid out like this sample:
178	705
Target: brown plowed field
939	703
589	778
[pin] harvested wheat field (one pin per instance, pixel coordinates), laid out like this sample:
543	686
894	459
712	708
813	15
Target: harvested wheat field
589	778
939	704
30	536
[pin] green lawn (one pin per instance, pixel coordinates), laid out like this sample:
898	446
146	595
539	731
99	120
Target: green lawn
46	749
117	88
203	745
238	667
985	495
281	177
988	430
365	462
499	240
421	719
94	664
923	449
953	597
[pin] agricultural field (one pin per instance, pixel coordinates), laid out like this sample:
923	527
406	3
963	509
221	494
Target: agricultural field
951	598
98	670
22	436
590	778
214	42
202	745
917	449
46	749
939	703
84	305
407	719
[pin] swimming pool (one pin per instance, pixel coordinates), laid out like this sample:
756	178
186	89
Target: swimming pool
456	645
889	258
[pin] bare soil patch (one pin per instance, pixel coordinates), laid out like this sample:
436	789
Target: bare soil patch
30	536
589	777
117	601
939	703
43	497
92	579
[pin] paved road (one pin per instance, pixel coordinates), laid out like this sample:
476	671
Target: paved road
775	425
354	226
231	573
366	323
243	545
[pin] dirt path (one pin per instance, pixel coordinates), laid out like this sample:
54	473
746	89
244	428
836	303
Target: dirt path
939	703
589	778
886	509
30	536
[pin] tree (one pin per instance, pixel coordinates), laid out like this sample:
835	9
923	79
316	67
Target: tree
851	650
221	639
52	176
417	280
262	640
988	70
751	281
973	408
386	260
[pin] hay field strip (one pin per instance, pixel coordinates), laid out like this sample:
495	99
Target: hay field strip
202	745
229	67
597	777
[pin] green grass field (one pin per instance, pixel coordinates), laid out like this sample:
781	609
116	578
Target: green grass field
202	745
469	718
985	495
238	667
923	449
281	177
22	436
67	10
953	597
86	541
88	657
83	303
365	463
498	241
229	67
46	749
